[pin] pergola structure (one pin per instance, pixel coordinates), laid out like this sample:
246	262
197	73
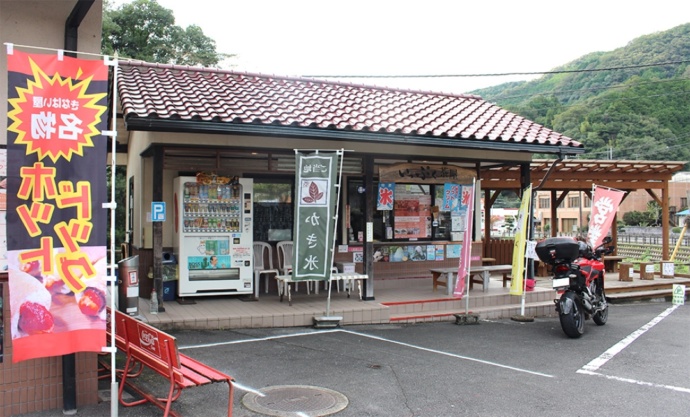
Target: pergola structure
561	176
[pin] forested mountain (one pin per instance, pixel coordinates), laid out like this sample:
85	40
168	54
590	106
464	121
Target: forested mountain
630	103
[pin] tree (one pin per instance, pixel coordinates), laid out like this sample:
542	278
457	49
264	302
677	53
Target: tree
654	211
120	198
145	30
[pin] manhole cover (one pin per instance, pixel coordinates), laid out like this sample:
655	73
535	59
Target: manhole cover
293	400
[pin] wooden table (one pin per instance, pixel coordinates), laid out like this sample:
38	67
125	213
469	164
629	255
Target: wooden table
478	274
349	278
611	262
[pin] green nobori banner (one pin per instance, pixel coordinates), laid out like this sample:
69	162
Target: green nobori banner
315	181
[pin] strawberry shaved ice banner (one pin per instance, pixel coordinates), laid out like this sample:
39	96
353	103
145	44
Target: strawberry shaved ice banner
56	185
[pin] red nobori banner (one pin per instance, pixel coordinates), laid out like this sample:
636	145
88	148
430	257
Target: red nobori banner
605	204
56	184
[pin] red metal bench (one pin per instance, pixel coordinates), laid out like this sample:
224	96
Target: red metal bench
145	346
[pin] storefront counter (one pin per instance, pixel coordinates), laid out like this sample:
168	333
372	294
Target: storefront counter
401	260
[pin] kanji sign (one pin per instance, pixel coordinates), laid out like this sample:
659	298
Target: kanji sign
315	182
386	196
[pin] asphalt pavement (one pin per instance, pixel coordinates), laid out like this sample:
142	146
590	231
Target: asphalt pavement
635	365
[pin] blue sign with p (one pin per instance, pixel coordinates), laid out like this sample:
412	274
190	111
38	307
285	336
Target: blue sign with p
158	211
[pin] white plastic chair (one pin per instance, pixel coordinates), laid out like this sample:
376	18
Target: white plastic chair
262	251
285	256
285	260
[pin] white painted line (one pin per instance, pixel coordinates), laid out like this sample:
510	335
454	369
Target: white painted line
248	389
597	363
450	354
261	339
634	381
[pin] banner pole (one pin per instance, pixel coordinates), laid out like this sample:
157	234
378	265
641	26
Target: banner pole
341	155
527	236
113	163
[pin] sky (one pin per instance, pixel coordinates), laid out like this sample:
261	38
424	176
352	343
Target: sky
382	37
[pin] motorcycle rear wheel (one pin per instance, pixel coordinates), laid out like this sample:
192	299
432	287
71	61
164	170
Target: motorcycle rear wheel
572	322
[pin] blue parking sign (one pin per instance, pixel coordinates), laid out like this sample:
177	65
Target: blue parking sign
158	211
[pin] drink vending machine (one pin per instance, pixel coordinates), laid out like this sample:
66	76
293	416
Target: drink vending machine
213	235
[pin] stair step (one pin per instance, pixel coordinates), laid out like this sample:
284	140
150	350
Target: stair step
540	309
629	296
427	306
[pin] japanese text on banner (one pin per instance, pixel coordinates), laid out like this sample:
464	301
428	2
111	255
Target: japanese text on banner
314	216
56	226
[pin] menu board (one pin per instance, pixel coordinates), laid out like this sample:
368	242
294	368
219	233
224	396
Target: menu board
412	212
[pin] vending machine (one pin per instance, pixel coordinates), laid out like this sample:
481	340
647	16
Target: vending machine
213	235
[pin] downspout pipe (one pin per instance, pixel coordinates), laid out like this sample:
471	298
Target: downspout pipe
69	373
80	10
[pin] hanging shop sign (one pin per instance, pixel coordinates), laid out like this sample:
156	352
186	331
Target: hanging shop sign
315	185
425	174
56	185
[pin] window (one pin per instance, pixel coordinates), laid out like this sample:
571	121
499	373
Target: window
273	209
414	215
574	202
588	202
544	202
354	218
569	225
683	202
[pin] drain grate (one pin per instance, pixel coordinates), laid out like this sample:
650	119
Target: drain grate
289	400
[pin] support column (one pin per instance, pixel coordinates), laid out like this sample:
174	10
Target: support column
665	220
369	206
487	218
157	227
554	214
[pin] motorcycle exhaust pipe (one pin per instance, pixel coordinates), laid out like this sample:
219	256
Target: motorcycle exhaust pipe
586	303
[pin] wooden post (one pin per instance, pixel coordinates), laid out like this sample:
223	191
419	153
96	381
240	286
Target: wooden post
665	219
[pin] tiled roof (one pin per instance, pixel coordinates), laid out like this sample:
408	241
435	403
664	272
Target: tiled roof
181	93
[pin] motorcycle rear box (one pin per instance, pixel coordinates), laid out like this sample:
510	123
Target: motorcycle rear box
565	249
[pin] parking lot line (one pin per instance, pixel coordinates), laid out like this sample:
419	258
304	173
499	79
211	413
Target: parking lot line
598	362
309	333
453	355
593	366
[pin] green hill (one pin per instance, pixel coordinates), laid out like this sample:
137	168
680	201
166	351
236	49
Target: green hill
629	103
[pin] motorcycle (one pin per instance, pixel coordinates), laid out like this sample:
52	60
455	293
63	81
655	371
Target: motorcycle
578	277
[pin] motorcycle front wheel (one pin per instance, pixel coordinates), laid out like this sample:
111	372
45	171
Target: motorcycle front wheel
572	315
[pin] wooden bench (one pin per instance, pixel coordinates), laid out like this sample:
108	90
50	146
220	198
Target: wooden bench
478	275
145	346
285	281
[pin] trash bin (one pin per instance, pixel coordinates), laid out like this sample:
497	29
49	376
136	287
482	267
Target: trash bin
128	288
169	277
